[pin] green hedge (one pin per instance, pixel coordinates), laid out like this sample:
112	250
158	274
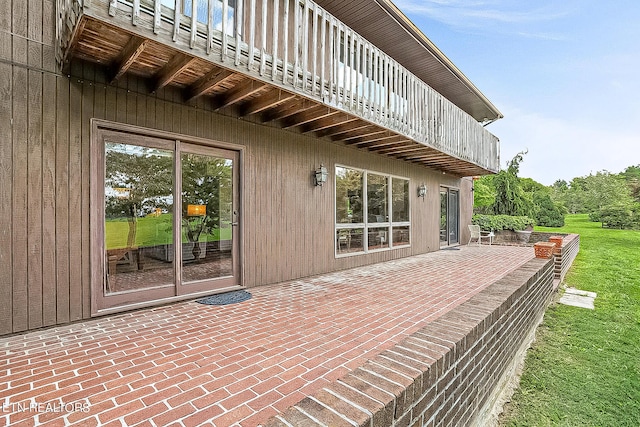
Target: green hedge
502	222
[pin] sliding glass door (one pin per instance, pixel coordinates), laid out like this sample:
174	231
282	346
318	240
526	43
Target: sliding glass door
169	223
449	217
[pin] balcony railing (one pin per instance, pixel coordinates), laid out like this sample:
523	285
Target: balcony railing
300	47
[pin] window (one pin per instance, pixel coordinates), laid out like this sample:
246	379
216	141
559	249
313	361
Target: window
372	211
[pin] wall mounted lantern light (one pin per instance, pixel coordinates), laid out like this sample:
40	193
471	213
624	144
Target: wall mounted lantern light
422	190
321	175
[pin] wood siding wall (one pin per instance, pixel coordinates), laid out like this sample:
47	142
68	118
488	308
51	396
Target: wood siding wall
44	179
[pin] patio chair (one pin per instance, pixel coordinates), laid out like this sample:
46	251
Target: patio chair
478	234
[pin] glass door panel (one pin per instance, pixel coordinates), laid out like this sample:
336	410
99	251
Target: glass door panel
209	218
449	217
444	239
138	217
452	217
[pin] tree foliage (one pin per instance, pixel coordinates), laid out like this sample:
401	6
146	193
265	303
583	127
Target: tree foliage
511	199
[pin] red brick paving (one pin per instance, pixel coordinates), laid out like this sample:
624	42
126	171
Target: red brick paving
189	364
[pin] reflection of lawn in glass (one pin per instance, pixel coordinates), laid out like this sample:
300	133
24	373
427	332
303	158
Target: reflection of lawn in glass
152	231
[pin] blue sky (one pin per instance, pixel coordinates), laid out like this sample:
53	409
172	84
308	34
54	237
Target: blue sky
565	74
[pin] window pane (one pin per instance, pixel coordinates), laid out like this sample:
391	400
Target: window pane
378	238
138	192
207	214
349	192
400	236
349	240
377	202
400	198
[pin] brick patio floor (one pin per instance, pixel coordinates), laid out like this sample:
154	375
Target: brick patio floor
190	364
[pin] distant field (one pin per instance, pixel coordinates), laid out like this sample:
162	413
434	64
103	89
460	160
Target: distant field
152	231
584	368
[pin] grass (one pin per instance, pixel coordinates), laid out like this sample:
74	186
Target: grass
584	368
152	231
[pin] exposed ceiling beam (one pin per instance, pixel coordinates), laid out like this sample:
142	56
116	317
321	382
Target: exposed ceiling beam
402	149
265	102
360	138
207	82
310	116
172	69
327	123
237	94
288	109
380	136
340	129
128	57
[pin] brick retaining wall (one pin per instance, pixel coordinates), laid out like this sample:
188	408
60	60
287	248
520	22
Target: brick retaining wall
445	374
565	256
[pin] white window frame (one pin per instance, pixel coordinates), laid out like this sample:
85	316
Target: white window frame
366	225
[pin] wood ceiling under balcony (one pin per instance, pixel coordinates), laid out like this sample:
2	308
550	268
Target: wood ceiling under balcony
236	94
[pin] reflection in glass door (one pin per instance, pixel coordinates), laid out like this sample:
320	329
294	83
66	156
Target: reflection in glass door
208	216
449	217
138	211
141	220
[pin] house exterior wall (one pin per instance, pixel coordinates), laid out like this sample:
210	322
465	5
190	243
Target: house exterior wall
45	141
44	157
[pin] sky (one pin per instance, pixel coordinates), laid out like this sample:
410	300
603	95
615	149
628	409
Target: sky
564	73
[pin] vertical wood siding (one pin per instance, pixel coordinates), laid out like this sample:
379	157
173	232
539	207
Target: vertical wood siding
44	183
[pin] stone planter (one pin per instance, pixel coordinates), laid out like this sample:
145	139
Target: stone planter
523	236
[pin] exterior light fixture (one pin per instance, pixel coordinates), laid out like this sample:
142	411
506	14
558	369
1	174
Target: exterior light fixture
422	190
321	175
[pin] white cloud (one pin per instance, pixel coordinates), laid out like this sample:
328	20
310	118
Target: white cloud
560	149
488	15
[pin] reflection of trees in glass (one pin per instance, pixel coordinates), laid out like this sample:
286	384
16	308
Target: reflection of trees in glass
377	198
349	187
138	181
400	199
206	181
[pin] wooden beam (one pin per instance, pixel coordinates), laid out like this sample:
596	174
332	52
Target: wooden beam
310	116
377	136
265	102
360	136
398	150
337	130
288	109
172	69
329	123
206	83
128	57
237	94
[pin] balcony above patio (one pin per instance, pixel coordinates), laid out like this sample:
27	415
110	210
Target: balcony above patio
288	62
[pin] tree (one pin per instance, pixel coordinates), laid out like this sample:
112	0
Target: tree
510	197
548	213
484	195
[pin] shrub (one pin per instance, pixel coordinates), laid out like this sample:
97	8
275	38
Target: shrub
502	222
548	214
617	216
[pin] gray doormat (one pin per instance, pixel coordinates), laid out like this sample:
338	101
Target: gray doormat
226	298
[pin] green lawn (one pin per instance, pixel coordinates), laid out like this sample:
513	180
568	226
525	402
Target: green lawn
584	368
152	231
